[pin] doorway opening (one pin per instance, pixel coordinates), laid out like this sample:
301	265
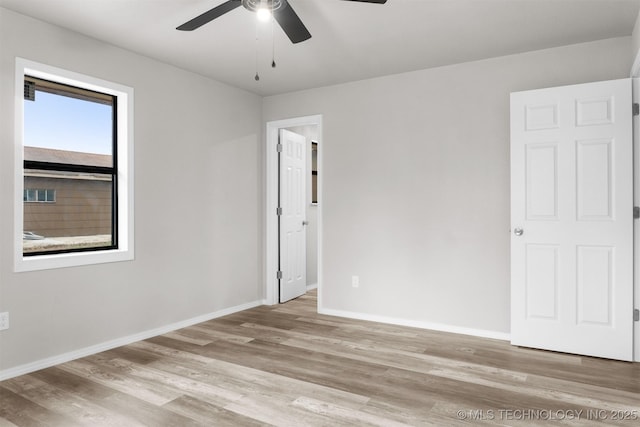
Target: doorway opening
310	127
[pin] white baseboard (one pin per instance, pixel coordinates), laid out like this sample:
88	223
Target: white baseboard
418	324
87	351
312	287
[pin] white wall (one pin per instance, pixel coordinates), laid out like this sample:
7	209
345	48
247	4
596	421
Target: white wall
198	173
416	183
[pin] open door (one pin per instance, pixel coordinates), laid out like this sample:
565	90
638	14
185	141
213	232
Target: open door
292	215
572	219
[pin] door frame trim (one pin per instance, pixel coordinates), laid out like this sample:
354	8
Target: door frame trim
271	203
636	226
635	76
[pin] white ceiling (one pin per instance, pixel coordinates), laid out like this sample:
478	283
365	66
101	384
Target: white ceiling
351	40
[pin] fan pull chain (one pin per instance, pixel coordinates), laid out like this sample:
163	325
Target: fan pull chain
273	40
257	77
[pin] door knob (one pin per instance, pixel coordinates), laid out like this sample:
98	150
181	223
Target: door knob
305	222
518	231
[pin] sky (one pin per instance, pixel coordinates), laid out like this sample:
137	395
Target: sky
64	123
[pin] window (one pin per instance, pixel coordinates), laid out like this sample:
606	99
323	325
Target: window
75	145
31	195
70	144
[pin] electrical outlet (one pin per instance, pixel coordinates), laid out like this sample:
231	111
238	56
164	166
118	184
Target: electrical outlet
355	281
4	321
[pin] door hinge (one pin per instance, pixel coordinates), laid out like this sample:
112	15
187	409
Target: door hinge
279	274
279	147
636	315
636	109
636	212
278	211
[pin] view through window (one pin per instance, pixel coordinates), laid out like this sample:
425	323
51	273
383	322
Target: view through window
70	169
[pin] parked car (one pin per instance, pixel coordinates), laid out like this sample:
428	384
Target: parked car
30	235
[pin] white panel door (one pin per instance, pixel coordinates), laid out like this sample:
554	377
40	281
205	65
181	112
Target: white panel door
572	219
293	246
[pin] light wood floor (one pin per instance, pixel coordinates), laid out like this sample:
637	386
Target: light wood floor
288	366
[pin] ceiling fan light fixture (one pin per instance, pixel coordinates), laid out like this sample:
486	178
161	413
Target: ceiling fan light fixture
281	11
263	8
263	14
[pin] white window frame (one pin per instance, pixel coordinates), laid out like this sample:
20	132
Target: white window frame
124	94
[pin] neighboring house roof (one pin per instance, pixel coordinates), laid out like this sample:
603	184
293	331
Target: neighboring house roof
38	154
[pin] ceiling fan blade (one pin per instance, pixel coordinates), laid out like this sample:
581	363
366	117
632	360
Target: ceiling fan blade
209	16
370	1
291	24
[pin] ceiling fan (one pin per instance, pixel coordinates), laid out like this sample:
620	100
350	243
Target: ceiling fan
281	10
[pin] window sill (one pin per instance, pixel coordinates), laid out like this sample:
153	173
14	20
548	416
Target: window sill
74	259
